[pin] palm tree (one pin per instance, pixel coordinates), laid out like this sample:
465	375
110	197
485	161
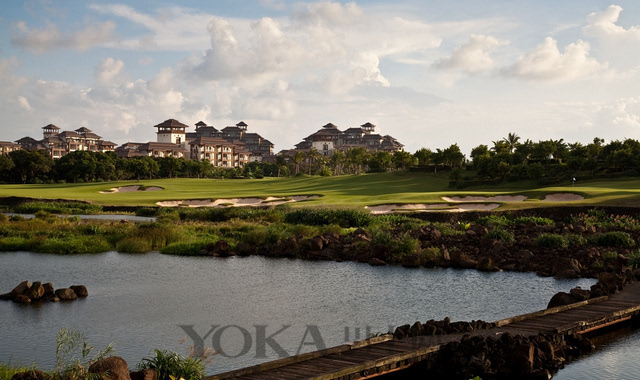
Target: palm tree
297	158
281	161
337	159
312	156
511	140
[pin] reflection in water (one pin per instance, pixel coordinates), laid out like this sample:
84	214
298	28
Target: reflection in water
142	302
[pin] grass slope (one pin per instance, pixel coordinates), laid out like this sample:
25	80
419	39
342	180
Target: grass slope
356	191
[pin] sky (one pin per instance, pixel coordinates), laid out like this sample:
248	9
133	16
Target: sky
429	73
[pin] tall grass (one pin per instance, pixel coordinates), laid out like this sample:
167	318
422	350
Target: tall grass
7	370
58	208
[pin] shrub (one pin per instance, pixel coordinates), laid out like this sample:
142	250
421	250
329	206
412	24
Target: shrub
74	245
133	245
14	243
73	355
533	219
58	208
492	220
634	259
574	240
185	249
500	234
345	218
432	255
170	364
7	370
613	239
552	241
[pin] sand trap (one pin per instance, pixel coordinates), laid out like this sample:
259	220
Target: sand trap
563	197
497	198
434	207
235	202
128	189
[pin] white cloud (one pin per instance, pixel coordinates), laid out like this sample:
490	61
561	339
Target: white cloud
174	28
24	103
472	57
50	38
107	72
273	4
547	63
603	24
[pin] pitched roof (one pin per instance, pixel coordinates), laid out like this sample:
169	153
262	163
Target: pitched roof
330	125
51	126
203	140
171	123
83	130
151	145
242	124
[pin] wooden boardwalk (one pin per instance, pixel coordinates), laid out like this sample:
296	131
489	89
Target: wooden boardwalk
380	355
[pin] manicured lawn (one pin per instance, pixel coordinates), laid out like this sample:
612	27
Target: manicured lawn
356	191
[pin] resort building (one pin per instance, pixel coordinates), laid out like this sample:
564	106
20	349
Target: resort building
257	146
7	147
330	138
59	143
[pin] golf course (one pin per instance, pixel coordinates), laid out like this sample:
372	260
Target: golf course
359	191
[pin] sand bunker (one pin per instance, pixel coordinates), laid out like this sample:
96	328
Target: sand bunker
435	207
563	197
497	198
235	202
128	189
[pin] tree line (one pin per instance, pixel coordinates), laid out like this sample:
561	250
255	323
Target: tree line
508	159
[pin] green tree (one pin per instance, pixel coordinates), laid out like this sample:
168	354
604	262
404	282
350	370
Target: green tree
511	140
381	161
423	156
31	164
402	159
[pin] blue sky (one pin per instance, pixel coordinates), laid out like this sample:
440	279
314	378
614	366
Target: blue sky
428	73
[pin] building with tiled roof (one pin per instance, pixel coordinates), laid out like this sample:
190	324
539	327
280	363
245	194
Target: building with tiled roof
256	145
61	143
330	138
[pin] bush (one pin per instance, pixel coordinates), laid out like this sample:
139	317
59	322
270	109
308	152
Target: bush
552	241
15	243
7	370
58	208
609	256
74	245
634	259
533	219
500	234
613	239
345	218
133	245
185	249
493	220
170	364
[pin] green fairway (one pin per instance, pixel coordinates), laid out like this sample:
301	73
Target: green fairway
354	191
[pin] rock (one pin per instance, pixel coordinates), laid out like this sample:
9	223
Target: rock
222	249
144	374
561	299
567	273
525	254
21	298
315	244
376	262
410	261
565	264
6	297
21	288
486	264
66	294
580	294
244	249
48	289
522	358
35	374
79	290
36	291
111	368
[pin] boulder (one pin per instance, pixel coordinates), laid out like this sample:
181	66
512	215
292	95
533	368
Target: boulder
21	288
564	265
315	244
6	297
48	289
376	262
35	374
36	291
21	298
79	290
410	261
561	299
222	249
111	368
580	294
486	264
144	374
66	294
522	358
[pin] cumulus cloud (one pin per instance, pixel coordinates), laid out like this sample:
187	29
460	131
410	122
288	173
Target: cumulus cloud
472	57
547	63
603	24
107	71
173	28
51	38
